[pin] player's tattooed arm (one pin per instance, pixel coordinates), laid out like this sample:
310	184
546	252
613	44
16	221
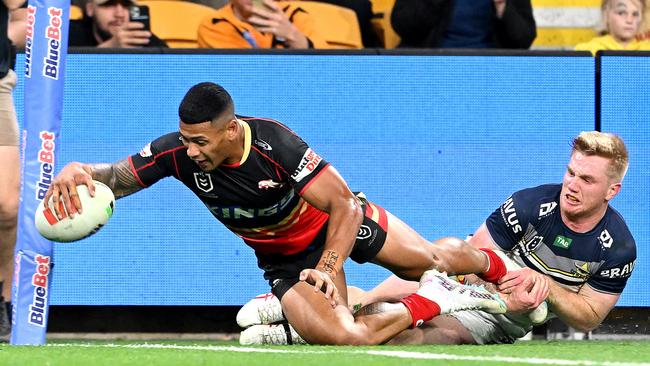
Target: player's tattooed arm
118	176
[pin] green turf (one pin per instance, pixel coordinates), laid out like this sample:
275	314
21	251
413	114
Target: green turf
589	353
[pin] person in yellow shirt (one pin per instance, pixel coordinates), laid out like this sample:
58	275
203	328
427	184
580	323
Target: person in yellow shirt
259	24
622	20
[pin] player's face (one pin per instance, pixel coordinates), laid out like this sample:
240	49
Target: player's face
624	19
586	187
210	144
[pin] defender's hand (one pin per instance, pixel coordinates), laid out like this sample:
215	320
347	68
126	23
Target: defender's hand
322	282
528	295
64	187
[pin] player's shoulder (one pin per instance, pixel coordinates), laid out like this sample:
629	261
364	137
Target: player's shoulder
169	140
616	228
543	199
266	126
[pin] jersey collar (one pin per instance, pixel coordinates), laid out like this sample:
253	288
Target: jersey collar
247	145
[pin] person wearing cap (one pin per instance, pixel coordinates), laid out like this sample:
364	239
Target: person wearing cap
107	24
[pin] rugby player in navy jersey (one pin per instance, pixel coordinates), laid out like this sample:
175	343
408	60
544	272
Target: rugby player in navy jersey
569	242
285	201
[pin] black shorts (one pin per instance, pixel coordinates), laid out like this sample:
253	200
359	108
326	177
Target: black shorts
282	271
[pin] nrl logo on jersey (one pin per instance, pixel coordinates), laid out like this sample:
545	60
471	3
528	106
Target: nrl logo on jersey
546	209
203	181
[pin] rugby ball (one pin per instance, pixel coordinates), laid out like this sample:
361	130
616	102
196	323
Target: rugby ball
95	213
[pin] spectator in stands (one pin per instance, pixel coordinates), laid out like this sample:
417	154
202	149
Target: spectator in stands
464	23
267	24
621	21
9	153
644	33
107	24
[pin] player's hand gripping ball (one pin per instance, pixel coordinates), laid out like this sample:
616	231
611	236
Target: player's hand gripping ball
95	214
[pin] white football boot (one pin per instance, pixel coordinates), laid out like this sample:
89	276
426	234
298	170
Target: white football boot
263	309
452	296
270	334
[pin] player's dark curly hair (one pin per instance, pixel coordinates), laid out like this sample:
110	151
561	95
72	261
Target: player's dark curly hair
204	102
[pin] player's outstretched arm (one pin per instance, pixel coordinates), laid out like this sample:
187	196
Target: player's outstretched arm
331	194
118	176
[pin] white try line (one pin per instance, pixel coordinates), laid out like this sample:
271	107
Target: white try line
397	354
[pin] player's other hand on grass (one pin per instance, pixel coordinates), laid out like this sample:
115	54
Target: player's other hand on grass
64	187
525	289
321	282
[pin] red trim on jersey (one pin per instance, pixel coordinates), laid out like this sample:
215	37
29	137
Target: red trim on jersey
269	159
314	178
383	218
369	211
178	174
296	239
270	120
135	173
235	165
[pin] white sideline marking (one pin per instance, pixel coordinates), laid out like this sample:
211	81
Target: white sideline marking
398	354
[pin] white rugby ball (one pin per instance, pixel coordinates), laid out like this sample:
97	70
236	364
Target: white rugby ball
95	213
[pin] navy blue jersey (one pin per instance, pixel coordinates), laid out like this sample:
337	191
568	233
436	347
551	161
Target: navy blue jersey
529	225
257	198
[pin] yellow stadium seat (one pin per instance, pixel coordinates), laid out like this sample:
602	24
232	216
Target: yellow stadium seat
381	10
338	25
76	13
176	22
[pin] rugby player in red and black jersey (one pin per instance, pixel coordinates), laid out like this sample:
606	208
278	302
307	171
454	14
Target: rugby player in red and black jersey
266	185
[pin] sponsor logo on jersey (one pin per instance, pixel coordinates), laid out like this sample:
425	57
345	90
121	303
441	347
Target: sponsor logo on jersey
146	151
238	212
203	181
509	215
605	239
364	232
307	165
546	209
619	272
562	242
268	184
263	144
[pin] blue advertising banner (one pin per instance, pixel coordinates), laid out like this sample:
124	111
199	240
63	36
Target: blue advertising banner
46	46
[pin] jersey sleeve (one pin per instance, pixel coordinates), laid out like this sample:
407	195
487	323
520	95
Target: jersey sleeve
299	161
617	268
155	161
507	224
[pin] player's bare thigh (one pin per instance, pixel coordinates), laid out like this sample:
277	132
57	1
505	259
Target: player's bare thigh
407	254
314	318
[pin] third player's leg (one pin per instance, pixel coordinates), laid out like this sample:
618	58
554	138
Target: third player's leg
407	254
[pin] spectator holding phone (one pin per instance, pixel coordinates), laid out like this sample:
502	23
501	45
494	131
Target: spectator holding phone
107	23
260	24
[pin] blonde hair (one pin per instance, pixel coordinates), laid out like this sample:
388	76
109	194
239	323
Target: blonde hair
606	145
606	6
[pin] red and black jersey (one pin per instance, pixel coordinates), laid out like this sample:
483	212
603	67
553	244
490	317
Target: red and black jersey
257	198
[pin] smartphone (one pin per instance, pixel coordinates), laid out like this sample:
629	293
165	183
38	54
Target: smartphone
140	13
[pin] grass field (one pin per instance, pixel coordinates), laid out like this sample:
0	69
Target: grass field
589	353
